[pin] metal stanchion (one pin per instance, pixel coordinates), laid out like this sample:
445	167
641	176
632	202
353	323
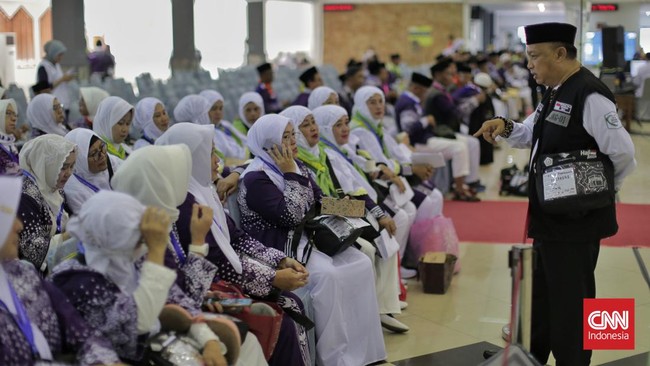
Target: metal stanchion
516	353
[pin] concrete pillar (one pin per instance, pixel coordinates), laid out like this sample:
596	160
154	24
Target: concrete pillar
255	45
68	26
184	57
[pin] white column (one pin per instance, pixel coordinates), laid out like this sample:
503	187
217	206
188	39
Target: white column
318	41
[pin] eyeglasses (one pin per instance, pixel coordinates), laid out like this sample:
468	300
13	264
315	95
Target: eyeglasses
57	107
97	154
11	114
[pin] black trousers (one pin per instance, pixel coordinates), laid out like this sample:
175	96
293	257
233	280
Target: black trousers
563	277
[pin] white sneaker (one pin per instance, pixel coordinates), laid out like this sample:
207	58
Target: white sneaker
407	273
392	324
403	305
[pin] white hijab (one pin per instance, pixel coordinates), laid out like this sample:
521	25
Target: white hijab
212	96
43	158
193	108
11	188
250	97
76	191
108	225
157	176
347	175
265	133
92	96
297	115
361	97
319	95
143	117
40	114
5	138
109	112
199	140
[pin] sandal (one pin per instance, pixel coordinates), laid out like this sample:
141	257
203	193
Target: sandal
465	197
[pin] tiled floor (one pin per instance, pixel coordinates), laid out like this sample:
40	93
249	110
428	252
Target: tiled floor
477	303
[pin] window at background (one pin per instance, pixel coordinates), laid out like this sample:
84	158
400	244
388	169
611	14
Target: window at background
644	39
592	49
289	27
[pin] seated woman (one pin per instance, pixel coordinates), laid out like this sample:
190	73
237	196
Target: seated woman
339	183
37	321
323	95
159	176
260	271
8	153
45	114
274	196
47	162
93	168
104	284
251	108
90	97
151	117
228	139
112	123
393	158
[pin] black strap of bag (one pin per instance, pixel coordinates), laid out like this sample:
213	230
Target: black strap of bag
335	180
297	234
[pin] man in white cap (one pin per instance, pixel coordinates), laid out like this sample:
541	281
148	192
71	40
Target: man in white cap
577	113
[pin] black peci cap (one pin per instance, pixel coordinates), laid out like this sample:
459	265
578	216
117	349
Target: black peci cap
420	79
308	75
440	66
374	67
463	67
550	32
264	67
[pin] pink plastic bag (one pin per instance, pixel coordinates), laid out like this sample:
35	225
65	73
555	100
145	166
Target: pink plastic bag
434	235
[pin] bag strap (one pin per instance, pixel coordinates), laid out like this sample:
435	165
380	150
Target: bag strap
335	180
297	234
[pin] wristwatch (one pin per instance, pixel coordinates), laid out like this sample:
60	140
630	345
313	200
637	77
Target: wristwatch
200	249
508	126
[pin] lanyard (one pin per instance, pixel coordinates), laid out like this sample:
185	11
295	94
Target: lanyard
86	183
147	139
22	320
80	248
336	148
273	167
224	130
372	129
12	156
177	248
442	89
59	216
218	225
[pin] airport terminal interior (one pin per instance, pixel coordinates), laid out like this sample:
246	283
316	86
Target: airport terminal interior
169	49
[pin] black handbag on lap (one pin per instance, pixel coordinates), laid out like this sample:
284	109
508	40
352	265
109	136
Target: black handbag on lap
575	181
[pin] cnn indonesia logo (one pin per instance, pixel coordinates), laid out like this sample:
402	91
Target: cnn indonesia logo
608	324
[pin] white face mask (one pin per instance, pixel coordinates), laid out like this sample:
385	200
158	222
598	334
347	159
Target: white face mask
140	251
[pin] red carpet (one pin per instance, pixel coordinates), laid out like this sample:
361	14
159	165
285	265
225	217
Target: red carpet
485	222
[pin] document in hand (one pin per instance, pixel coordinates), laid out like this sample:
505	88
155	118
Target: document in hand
400	198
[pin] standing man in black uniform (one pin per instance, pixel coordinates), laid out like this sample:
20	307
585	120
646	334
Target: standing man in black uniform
577	112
